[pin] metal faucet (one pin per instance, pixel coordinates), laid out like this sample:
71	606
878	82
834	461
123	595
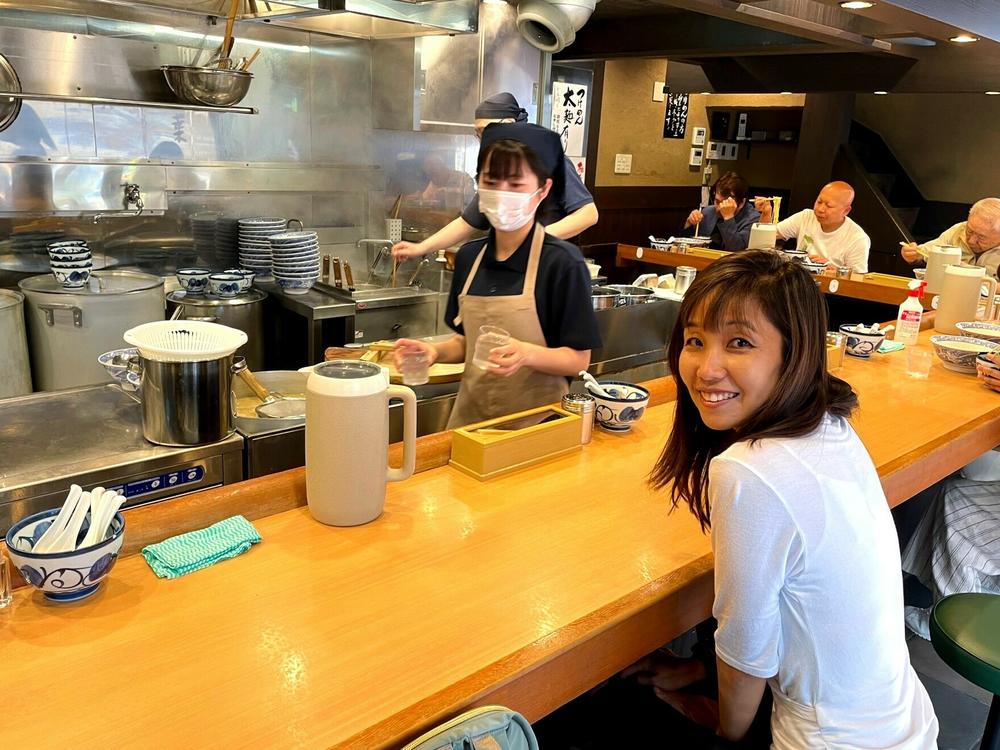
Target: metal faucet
424	262
378	257
131	196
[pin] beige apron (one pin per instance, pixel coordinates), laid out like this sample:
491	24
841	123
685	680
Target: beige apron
483	395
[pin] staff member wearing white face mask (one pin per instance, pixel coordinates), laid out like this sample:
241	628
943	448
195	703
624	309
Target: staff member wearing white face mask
520	279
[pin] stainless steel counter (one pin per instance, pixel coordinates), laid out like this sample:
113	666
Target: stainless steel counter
93	436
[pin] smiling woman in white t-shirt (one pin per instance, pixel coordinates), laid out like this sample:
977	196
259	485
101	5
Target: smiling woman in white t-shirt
808	595
825	231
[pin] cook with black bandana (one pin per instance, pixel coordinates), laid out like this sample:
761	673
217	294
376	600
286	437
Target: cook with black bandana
518	278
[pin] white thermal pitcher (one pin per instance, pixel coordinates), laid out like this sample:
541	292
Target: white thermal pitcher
940	257
960	295
347	441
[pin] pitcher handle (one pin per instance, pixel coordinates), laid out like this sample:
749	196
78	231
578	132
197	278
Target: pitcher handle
990	312
409	433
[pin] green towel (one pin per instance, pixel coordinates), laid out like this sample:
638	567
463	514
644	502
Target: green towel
186	553
890	346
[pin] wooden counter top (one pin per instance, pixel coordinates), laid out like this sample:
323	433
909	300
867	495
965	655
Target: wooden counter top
523	591
876	287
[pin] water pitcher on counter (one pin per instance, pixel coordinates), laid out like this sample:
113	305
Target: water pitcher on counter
347	441
960	294
940	257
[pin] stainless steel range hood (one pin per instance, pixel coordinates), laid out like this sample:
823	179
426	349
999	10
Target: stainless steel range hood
372	19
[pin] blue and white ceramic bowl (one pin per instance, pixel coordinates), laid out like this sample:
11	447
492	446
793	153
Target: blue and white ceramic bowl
247	277
225	284
70	257
193	280
295	286
68	246
859	344
958	353
627	406
72	278
116	362
981	329
63	576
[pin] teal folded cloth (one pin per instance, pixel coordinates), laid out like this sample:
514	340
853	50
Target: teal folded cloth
890	346
186	553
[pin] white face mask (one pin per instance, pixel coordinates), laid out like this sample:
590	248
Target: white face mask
507	211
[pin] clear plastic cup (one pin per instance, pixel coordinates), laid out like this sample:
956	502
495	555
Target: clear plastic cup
6	593
918	362
414	366
488	339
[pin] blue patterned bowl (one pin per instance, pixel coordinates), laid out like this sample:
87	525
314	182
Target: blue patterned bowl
627	406
981	329
63	576
225	284
860	344
193	280
958	353
296	286
72	278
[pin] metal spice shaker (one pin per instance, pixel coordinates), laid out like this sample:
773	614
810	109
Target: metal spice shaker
584	405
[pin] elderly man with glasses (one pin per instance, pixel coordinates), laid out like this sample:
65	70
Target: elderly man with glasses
978	238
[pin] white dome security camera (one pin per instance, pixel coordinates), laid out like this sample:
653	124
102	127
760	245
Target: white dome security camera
551	25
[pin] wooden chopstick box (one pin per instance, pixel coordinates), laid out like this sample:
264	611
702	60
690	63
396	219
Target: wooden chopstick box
497	446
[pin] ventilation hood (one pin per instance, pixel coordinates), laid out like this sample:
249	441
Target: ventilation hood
371	19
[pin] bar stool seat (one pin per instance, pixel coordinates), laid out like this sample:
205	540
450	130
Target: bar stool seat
965	632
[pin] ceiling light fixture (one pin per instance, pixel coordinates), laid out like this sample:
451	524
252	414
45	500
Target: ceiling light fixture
964	39
785	93
993	93
856	4
880	93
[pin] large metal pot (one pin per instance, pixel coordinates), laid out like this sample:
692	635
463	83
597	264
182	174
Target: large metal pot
244	312
632	295
68	329
15	370
187	403
605	297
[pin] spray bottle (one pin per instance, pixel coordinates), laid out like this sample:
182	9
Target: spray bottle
910	313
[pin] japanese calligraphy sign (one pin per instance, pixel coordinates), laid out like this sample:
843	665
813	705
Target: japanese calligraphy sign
569	115
676	116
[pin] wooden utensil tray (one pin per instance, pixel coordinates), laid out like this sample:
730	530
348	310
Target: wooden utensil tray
497	446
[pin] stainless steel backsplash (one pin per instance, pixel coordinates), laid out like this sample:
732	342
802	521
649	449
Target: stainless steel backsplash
311	153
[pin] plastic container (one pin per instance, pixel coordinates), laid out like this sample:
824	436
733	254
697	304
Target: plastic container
910	314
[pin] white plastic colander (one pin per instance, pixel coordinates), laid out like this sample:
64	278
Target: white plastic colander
184	340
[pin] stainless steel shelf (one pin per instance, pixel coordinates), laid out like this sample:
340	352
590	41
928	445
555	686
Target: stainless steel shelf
11	95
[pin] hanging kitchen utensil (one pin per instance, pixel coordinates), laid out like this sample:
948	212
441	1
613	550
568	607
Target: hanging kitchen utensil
227	40
349	276
336	274
275	405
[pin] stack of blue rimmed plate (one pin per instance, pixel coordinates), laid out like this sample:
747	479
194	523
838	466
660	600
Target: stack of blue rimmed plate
255	248
295	260
71	262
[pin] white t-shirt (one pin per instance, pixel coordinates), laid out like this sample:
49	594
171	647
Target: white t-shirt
808	592
848	245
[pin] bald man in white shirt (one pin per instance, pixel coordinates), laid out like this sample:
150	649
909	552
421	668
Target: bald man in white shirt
825	231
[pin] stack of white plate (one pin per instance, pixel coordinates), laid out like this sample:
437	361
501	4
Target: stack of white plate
255	248
295	259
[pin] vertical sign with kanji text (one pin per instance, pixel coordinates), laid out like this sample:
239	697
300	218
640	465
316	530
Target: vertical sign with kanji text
569	115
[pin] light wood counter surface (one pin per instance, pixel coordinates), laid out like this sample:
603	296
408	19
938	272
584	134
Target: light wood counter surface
875	287
524	591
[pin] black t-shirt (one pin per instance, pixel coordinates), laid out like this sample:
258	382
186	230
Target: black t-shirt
562	289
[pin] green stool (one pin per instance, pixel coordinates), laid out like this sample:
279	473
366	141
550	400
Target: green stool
965	631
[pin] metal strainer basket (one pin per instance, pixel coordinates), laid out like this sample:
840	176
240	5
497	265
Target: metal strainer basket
184	340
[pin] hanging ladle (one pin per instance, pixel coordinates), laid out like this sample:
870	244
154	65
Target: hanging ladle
274	405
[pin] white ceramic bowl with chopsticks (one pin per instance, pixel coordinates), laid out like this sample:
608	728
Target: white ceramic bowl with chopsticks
63	576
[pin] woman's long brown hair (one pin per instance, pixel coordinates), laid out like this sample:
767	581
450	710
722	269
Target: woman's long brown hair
735	287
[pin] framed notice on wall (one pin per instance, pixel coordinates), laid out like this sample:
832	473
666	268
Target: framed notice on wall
676	117
569	115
